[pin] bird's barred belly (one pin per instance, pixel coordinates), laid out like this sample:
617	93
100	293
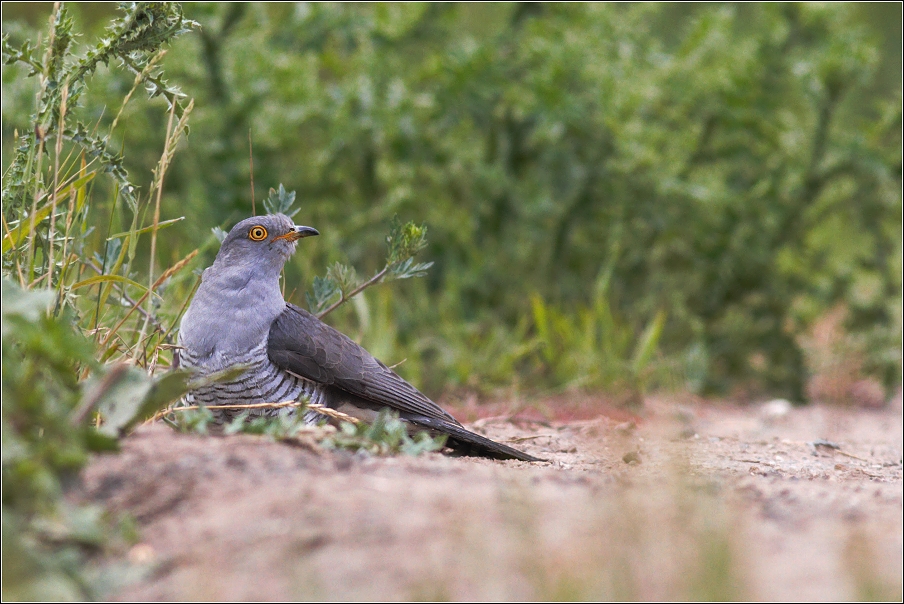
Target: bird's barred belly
263	382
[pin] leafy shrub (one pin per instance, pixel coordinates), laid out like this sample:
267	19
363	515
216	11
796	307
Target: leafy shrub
48	434
63	396
736	167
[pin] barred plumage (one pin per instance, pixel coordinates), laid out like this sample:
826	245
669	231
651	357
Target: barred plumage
262	382
239	316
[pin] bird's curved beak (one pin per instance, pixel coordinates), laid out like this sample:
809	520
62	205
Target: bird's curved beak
298	232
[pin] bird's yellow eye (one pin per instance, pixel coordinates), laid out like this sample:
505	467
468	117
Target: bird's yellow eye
257	233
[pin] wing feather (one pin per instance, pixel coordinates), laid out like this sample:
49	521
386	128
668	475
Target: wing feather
301	343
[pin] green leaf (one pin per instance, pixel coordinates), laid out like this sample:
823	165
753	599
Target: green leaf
132	396
15	235
280	202
408	270
161	225
404	241
225	375
219	233
29	305
646	346
121	398
110	279
324	290
345	277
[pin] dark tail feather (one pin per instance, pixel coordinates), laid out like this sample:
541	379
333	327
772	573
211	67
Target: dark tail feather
469	443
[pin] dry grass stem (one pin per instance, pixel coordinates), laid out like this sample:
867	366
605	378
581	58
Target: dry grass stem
166	275
15	256
251	162
138	79
323	410
58	149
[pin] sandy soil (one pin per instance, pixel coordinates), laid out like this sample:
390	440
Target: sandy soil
685	501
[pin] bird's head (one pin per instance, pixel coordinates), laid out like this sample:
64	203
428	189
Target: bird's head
239	296
262	243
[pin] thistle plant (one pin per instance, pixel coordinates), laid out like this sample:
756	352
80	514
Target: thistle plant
81	336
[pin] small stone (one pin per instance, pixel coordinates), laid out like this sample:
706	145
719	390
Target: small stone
631	458
626	427
775	409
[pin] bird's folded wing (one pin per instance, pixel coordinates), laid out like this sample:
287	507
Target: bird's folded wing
301	343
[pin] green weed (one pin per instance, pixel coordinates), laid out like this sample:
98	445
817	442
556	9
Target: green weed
76	372
386	435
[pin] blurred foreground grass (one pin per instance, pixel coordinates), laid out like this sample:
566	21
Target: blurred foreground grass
746	517
610	208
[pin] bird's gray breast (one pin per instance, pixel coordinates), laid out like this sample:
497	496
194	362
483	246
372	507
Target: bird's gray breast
228	318
227	324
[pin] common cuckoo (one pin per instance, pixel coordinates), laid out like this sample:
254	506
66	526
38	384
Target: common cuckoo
239	316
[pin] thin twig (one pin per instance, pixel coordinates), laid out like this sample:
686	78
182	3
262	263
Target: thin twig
531	437
97	393
34	205
13	249
101	297
166	275
172	138
169	410
840	452
161	171
58	148
73	195
191	294
343	298
138	79
41	134
122	292
251	161
324	410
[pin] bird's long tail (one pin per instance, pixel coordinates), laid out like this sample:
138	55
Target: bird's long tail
468	443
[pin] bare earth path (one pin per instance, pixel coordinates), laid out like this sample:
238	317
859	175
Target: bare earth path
691	502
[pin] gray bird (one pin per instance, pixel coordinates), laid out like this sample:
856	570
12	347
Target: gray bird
239	316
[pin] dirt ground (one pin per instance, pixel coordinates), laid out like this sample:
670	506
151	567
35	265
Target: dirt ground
683	501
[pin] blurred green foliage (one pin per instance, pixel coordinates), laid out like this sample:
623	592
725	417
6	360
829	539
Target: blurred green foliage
47	436
735	169
61	400
619	197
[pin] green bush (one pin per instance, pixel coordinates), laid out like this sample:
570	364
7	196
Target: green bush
735	167
47	436
618	196
63	396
